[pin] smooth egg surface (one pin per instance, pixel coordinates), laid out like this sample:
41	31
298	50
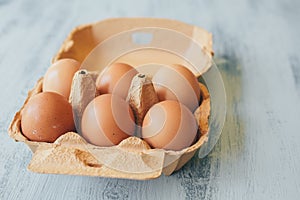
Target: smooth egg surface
116	79
107	120
178	83
59	76
169	125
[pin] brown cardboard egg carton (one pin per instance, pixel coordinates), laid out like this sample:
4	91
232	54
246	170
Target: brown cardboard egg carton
132	158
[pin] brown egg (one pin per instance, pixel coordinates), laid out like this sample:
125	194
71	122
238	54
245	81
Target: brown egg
59	76
178	83
47	116
116	79
107	120
169	125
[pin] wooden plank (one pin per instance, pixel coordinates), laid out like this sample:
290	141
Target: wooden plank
257	46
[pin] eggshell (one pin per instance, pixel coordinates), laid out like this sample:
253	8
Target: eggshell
107	120
178	83
68	154
47	116
58	77
116	79
169	125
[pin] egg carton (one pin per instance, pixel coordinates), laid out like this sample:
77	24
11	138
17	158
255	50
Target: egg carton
132	158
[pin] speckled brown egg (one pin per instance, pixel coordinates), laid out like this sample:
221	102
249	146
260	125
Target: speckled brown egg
46	116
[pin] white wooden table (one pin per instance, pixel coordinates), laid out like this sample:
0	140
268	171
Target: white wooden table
257	48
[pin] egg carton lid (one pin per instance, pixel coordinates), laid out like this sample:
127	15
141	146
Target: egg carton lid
150	48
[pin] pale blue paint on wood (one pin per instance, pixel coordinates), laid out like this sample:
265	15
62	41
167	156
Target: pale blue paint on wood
257	46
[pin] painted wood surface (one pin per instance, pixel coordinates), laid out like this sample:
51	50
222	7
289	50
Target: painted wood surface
257	50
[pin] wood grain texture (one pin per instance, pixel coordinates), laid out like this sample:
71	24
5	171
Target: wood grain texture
257	50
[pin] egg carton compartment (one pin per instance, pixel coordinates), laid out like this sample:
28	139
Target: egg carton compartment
147	44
